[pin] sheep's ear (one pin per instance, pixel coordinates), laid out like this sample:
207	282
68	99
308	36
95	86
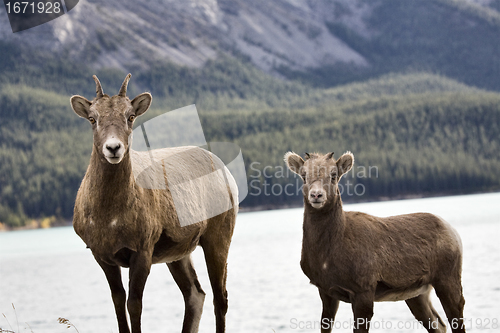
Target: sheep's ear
80	105
141	103
345	163
294	162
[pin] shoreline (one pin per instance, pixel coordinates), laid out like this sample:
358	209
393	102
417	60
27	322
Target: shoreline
375	199
46	223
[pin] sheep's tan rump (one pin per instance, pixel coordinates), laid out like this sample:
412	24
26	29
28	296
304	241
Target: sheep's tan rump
200	184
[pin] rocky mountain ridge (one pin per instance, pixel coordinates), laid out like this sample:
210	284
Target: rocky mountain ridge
122	33
281	37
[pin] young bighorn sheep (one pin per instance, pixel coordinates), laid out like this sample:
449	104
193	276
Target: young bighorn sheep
128	225
360	259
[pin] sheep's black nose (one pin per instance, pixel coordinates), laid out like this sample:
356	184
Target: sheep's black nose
113	147
316	195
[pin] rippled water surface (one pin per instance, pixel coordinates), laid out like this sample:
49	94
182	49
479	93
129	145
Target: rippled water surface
49	274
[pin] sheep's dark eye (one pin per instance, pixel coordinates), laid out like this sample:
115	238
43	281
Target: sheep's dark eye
131	118
92	120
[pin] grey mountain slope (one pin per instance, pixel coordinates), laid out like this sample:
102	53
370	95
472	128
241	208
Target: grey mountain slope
120	33
280	33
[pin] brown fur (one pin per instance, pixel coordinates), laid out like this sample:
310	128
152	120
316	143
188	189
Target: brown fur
360	259
127	225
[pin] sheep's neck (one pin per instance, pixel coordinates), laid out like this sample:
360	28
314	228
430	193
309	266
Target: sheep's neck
324	227
110	183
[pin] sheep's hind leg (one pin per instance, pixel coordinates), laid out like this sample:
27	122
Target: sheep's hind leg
216	250
185	277
452	299
330	307
217	271
424	312
114	277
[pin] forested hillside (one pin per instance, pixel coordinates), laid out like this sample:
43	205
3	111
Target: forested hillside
417	134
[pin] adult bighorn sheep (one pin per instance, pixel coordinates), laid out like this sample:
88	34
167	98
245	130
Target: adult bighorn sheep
128	225
360	259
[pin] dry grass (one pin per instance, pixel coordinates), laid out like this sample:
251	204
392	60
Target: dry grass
66	322
60	320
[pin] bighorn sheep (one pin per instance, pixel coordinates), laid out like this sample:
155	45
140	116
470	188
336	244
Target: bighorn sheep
360	259
127	225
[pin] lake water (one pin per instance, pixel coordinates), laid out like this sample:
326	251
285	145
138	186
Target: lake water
49	274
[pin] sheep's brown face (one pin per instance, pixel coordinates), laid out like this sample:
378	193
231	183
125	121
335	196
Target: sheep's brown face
320	173
111	119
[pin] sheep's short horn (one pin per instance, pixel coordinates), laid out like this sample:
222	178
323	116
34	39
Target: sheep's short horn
307	155
123	89
329	155
98	87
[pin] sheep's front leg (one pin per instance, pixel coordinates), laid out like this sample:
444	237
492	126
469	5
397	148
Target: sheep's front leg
362	307
114	277
330	307
140	265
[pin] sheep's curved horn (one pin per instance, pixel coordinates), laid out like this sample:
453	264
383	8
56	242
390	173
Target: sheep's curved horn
307	155
123	89
329	155
98	88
